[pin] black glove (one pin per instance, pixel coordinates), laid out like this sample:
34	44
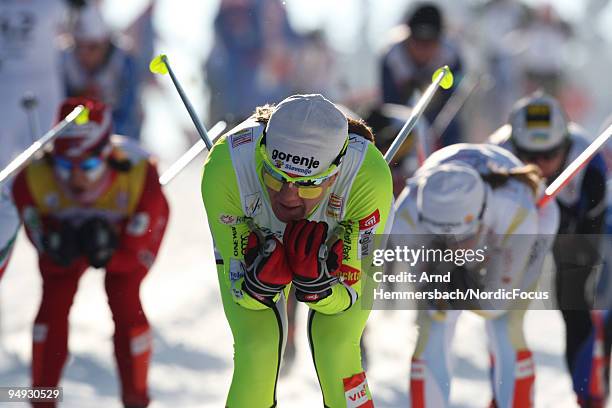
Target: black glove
98	241
61	244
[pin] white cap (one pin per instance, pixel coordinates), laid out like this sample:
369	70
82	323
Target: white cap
538	123
90	26
305	134
450	199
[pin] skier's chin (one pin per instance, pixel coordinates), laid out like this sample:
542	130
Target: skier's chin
286	213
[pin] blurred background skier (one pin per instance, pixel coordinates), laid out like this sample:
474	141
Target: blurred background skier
253	58
94	200
417	50
539	132
474	196
97	65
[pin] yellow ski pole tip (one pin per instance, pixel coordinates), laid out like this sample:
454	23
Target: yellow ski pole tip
447	80
83	117
158	65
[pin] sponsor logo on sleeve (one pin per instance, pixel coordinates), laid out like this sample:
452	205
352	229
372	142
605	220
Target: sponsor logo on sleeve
229	219
356	391
239	243
347	241
366	240
334	206
370	221
348	274
235	242
236	272
241	138
253	204
367	226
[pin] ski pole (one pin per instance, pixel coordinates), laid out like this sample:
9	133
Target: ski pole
79	115
161	65
191	154
574	167
402	113
466	88
442	77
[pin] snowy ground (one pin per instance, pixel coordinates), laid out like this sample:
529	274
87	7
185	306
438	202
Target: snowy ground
192	363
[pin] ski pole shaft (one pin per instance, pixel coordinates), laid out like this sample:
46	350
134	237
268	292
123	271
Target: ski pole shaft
161	65
23	159
442	77
574	167
191	154
465	89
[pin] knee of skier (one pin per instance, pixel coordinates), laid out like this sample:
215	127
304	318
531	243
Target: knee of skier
256	347
345	342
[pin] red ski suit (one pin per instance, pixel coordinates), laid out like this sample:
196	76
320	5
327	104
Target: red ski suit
135	204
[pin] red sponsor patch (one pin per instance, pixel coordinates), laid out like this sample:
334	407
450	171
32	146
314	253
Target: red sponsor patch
312	297
351	275
356	391
370	221
334	205
227	219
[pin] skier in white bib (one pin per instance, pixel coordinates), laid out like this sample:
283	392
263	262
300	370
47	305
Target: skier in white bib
468	197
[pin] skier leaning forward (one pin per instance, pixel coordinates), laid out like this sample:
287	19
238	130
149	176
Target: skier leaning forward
469	196
94	200
539	132
295	173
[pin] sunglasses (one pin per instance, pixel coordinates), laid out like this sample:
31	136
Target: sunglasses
86	165
529	156
91	166
308	189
